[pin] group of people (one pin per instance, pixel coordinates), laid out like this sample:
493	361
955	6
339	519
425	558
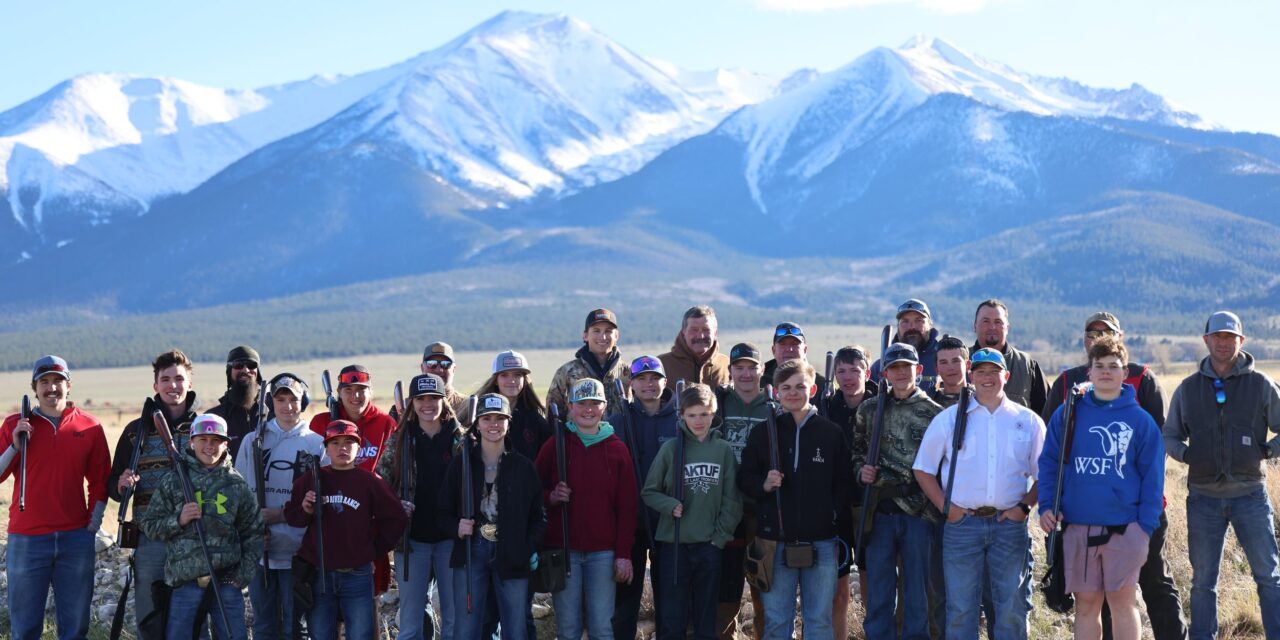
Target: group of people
706	472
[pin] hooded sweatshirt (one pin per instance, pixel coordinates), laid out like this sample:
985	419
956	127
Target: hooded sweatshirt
62	460
712	503
1115	473
362	517
282	453
1224	444
605	499
680	363
650	433
814	461
230	517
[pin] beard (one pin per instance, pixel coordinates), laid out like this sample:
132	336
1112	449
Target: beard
243	391
915	339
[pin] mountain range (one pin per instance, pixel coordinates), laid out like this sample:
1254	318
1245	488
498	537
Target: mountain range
535	140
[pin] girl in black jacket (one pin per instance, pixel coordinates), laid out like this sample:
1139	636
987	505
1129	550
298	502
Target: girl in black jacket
504	531
529	426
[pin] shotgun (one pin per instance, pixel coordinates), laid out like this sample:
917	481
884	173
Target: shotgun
260	463
957	441
630	440
562	473
468	510
329	400
873	450
828	386
314	465
677	486
407	450
23	439
126	532
1064	454
775	464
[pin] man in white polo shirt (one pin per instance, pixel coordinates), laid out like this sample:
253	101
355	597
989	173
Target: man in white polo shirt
986	530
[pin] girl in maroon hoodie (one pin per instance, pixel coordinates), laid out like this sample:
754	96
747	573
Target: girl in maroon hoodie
600	494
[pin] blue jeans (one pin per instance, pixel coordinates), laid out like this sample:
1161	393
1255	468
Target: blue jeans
972	548
511	594
63	560
271	594
697	581
1251	517
590	579
817	590
351	591
185	603
427	562
148	568
895	536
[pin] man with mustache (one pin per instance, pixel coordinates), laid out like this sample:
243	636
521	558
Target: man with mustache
695	357
915	327
238	406
51	540
1026	384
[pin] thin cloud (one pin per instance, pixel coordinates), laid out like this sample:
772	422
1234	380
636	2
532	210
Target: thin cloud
819	6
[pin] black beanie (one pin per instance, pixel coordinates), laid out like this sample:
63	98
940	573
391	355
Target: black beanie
241	353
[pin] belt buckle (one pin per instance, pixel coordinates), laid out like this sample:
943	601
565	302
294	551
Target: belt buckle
489	532
203	581
986	512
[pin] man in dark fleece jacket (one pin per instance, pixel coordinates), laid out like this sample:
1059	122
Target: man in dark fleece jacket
812	485
1112	493
238	406
362	520
602	499
1164	606
643	424
1026	381
915	327
1221	421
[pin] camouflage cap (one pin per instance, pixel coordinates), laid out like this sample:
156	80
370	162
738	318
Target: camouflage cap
587	389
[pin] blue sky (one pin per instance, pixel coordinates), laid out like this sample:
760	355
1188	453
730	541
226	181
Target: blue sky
1218	59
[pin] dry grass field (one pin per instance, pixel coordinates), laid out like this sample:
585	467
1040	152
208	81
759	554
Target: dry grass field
115	395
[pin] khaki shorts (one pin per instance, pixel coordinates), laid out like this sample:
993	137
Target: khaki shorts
1110	567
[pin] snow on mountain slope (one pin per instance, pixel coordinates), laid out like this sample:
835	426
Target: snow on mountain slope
530	104
796	135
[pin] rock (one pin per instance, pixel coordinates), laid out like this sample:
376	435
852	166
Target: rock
541	611
106	611
390	597
103	541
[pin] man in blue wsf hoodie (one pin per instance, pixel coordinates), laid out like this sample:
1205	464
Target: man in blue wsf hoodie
1112	491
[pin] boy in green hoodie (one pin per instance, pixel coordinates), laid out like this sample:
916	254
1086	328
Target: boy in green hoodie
232	529
708	516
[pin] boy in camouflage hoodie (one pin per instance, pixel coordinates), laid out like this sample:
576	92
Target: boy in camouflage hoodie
899	515
232	526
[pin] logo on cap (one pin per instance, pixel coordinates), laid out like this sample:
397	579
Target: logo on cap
492	402
512	362
426	384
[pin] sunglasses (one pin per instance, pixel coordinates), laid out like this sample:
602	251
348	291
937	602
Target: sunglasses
788	330
1219	392
987	356
1094	335
645	364
50	368
353	377
912	306
247	364
443	363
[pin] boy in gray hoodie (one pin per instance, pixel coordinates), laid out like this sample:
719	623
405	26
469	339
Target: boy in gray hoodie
707	516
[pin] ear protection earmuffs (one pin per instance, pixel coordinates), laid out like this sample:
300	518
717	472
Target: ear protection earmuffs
306	390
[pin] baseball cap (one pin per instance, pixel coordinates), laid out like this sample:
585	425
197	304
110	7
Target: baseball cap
600	315
587	389
50	364
341	429
1224	322
744	351
900	352
437	349
290	382
647	364
493	403
788	329
990	356
243	353
1105	318
915	305
426	384
353	375
510	361
208	424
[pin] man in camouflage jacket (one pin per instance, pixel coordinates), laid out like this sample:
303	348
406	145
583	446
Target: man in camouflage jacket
232	525
899	516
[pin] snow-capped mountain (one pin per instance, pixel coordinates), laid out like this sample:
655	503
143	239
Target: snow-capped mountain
522	105
795	136
529	105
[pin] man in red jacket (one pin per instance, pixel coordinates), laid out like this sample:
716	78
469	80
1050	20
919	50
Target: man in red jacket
51	533
355	403
600	493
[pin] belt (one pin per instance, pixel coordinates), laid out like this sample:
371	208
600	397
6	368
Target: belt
489	532
984	512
